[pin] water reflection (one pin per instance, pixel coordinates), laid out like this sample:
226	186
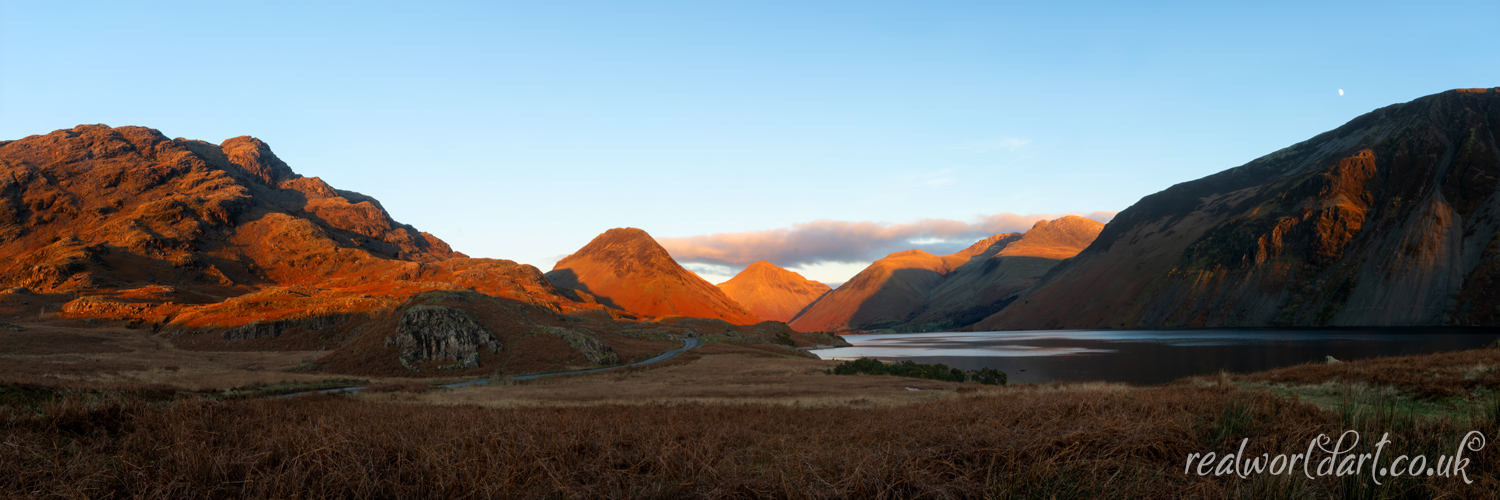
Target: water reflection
1152	356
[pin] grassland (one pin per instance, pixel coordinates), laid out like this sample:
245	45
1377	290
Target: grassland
737	421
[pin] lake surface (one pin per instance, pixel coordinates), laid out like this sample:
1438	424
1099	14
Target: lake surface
1152	356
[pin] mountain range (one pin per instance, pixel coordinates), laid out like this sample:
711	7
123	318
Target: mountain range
915	290
225	247
1391	219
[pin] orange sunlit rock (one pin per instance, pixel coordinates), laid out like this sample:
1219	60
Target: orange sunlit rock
771	292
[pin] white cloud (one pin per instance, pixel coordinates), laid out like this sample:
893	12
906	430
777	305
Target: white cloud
826	242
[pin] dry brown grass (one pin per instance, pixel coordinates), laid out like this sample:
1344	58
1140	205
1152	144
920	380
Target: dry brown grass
725	420
108	358
716	378
1027	443
1425	376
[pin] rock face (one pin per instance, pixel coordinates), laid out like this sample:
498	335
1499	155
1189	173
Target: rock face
915	290
1391	219
626	269
435	333
771	292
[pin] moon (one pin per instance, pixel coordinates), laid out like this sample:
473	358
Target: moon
1341	91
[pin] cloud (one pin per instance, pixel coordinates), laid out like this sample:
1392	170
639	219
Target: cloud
831	241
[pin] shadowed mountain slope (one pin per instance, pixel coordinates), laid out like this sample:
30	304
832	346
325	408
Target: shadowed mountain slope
915	290
627	269
1391	219
887	293
989	281
771	292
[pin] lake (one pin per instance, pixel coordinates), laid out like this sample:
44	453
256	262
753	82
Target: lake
1152	356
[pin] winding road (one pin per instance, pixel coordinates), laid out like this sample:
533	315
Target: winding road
687	343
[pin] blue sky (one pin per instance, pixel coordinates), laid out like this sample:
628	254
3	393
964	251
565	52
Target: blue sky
522	130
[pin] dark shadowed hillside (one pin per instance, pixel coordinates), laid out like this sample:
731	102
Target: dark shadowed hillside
1390	219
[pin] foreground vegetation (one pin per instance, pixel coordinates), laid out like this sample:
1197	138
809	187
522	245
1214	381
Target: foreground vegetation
1052	441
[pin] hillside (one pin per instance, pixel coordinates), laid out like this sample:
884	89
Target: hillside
1388	220
771	292
223	247
888	292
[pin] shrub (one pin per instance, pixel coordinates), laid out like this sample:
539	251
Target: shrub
785	339
989	376
939	371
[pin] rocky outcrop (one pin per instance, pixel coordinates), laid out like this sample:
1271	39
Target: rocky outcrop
771	292
442	334
274	328
1392	219
587	344
626	269
94	305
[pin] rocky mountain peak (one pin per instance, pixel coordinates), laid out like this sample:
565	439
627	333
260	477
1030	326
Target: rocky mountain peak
255	157
627	269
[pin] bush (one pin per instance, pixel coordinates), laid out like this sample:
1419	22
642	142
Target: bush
785	339
989	376
939	371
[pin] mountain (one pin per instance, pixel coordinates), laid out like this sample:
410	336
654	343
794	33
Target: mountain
1391	219
99	207
626	269
225	247
771	292
886	293
915	290
988	281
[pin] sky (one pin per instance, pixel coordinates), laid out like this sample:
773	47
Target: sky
521	130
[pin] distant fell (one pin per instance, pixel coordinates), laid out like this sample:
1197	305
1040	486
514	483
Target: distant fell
771	292
627	269
915	290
